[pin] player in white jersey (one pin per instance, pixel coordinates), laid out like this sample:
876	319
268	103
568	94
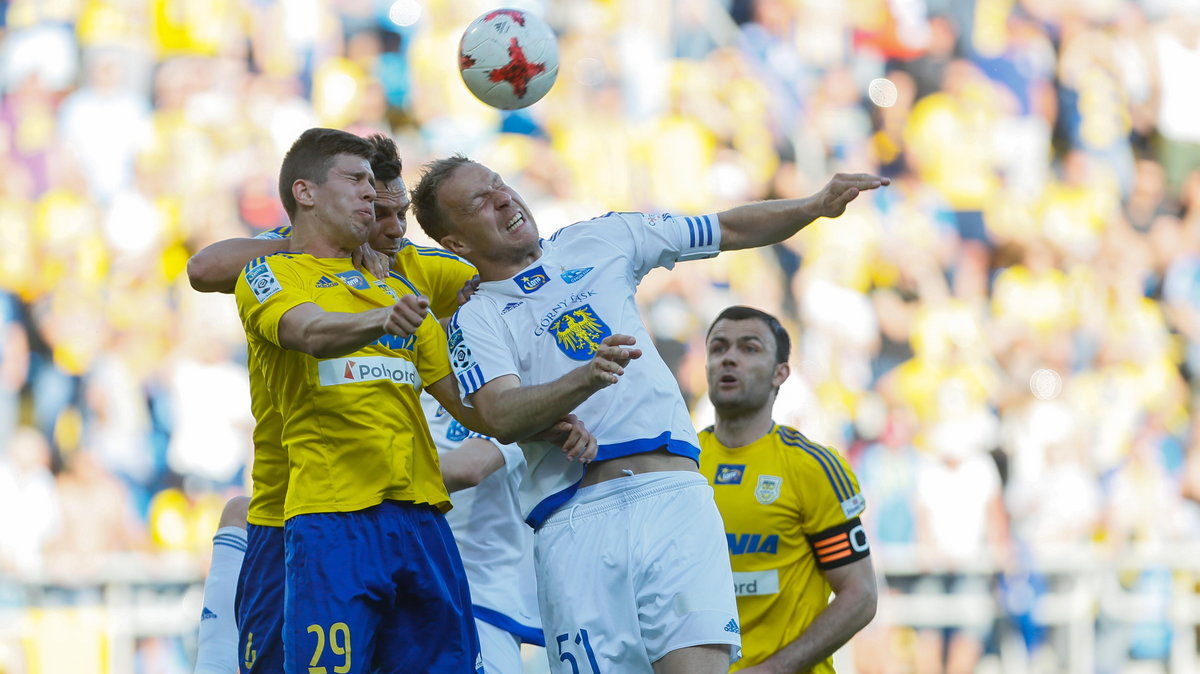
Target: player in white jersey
632	566
496	547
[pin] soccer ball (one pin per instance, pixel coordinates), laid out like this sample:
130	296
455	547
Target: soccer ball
508	58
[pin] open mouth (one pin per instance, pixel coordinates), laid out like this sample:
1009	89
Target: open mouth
727	379
515	222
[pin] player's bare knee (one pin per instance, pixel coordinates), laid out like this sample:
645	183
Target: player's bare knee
234	513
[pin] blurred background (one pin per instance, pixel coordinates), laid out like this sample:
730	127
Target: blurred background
1005	342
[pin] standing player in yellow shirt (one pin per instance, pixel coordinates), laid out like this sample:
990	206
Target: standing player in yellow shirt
790	508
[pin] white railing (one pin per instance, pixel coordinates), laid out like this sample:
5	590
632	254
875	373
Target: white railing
132	597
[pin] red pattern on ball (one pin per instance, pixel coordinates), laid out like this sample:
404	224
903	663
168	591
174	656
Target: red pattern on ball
519	70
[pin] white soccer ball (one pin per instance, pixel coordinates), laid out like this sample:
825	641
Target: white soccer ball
508	58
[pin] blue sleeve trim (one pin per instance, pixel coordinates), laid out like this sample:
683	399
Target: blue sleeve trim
471	381
528	634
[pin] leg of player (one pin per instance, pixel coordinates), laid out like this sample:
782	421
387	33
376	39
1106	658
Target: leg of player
501	649
217	651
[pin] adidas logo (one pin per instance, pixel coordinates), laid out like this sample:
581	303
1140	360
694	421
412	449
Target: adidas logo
326	282
207	614
732	626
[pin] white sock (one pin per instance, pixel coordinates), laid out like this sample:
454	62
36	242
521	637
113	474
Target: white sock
218	642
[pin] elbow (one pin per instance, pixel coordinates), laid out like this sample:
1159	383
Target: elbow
506	436
204	276
868	604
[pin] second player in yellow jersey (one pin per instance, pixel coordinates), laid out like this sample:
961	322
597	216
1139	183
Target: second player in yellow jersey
790	508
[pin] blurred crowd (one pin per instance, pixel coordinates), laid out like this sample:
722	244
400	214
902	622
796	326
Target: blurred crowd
1005	342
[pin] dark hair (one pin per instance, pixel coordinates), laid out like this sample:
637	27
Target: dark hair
783	343
310	158
385	159
424	197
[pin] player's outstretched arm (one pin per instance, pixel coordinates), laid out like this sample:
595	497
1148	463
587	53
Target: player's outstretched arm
510	412
215	268
767	222
327	334
470	463
853	606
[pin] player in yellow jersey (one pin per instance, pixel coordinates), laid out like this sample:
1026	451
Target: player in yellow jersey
446	280
369	559
790	508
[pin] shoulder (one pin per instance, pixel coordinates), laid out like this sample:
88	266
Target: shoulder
805	453
598	225
283	232
428	256
481	308
822	469
401	282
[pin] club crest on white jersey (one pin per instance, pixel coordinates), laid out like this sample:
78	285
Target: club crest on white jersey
578	333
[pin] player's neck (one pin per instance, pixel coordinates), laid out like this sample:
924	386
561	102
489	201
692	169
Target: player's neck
307	238
502	270
737	428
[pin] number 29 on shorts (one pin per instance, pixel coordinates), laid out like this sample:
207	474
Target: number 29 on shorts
339	643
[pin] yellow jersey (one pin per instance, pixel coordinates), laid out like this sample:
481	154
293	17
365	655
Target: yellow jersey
791	509
436	273
352	428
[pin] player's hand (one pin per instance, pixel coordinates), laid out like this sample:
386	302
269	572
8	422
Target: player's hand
406	315
843	188
468	289
372	260
572	435
610	360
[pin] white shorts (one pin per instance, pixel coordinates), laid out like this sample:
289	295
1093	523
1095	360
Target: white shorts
501	649
631	569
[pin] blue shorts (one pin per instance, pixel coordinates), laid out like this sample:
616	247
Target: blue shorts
259	601
377	590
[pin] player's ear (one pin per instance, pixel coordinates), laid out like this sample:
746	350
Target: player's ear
782	372
454	244
302	192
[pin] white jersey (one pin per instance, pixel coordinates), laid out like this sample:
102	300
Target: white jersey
496	546
550	318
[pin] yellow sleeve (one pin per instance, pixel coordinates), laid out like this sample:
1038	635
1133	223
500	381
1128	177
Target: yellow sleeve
433	359
444	274
830	503
267	288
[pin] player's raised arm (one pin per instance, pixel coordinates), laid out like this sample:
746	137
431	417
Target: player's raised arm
216	267
766	222
329	334
510	412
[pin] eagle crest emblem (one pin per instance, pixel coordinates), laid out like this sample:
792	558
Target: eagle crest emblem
579	332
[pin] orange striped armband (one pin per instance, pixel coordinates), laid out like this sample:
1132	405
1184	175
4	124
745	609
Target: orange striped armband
840	545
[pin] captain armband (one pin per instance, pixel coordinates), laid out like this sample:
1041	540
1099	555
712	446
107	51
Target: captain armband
840	545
